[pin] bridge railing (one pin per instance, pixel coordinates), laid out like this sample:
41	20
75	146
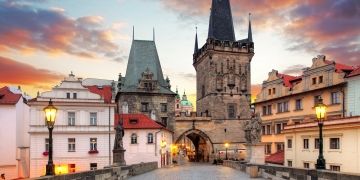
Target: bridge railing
283	172
108	173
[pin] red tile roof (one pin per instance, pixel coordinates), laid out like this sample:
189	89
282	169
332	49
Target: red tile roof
103	91
7	97
276	158
355	72
143	121
287	79
340	67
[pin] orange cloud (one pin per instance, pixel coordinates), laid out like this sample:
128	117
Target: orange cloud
17	73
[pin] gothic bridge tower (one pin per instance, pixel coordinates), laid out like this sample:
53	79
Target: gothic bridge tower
223	68
223	90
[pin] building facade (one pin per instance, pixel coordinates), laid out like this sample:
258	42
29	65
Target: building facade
353	93
223	86
83	134
286	100
144	90
182	105
14	137
145	140
340	140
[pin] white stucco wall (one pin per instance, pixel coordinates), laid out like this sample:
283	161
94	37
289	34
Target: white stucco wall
142	151
347	157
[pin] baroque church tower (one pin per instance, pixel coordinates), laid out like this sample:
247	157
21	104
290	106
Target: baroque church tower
223	68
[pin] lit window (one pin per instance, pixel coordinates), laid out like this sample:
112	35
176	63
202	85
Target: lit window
71	144
93	166
71	118
71	168
93	144
150	138
133	138
93	118
334	143
306	143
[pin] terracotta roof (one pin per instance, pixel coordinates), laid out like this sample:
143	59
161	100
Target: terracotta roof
143	121
340	67
287	79
103	91
276	158
355	72
7	97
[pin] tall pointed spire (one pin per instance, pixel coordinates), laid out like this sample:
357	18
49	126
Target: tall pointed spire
250	31
221	25
196	48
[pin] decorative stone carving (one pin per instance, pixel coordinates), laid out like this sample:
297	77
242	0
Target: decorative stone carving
118	151
253	130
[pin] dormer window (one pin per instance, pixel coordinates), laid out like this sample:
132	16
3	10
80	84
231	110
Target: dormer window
133	121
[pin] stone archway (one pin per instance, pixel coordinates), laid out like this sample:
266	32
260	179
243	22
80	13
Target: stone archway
204	147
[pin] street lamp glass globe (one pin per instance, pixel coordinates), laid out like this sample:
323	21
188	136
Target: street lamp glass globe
320	110
50	114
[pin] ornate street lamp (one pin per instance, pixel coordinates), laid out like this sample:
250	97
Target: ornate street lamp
50	114
226	148
320	109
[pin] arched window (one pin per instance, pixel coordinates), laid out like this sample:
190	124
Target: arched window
133	138
150	138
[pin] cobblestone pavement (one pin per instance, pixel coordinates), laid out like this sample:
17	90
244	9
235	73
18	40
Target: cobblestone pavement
193	171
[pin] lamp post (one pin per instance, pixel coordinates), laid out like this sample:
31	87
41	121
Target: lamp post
320	109
50	114
226	148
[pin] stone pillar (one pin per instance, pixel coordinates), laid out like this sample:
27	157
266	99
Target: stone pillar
255	153
118	157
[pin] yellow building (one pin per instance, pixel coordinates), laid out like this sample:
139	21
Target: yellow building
286	100
341	144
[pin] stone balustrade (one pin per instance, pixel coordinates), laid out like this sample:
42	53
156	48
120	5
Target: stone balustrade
282	172
108	173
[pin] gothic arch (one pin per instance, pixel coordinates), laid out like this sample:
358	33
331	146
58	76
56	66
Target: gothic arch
197	132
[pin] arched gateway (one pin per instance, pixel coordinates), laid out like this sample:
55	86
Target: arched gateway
201	142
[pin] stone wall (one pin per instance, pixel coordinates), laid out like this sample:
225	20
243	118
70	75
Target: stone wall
282	172
110	173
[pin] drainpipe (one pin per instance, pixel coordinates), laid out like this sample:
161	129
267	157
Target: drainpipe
109	135
343	102
156	142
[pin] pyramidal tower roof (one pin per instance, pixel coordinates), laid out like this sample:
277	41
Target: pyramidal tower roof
221	23
143	57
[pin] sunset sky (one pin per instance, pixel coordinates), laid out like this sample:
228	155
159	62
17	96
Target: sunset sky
41	41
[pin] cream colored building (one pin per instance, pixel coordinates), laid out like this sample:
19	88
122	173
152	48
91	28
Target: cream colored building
286	99
341	144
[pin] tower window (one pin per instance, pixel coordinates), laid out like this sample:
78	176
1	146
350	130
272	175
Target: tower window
231	111
203	91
